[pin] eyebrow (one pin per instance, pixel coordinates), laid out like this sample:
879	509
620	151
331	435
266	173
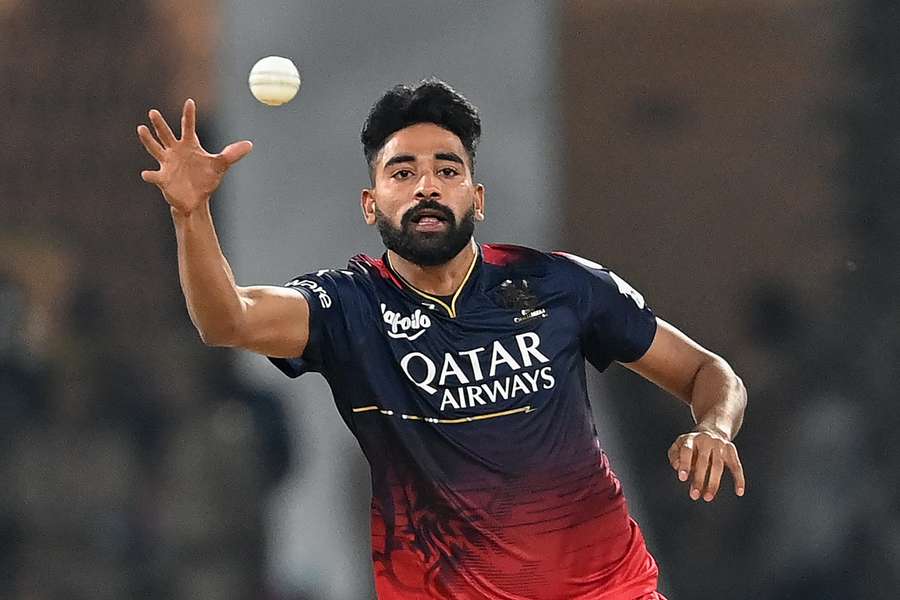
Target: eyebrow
405	158
400	158
451	156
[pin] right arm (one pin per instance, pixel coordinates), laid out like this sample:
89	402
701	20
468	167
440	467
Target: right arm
269	320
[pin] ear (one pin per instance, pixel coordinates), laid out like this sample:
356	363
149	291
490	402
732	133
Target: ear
367	204
479	202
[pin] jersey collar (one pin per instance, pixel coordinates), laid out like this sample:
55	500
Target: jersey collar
451	308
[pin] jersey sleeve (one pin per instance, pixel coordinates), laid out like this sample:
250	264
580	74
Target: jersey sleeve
616	323
332	297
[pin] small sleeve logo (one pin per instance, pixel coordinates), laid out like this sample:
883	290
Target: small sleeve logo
314	287
626	289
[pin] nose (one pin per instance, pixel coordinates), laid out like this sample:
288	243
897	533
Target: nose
427	187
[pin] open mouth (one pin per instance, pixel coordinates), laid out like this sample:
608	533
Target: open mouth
429	219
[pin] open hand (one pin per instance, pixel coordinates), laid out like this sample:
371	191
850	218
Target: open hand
702	456
188	174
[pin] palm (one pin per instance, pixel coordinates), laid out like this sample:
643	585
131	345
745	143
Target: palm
188	174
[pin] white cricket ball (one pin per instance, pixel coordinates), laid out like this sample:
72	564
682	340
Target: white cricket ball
274	80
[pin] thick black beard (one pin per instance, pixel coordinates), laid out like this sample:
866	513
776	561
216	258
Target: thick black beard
426	249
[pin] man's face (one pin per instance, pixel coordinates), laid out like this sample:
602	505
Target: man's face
423	199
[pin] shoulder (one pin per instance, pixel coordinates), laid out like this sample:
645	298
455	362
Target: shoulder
525	261
518	256
371	269
363	274
361	270
562	267
599	278
578	264
503	255
338	285
547	263
580	268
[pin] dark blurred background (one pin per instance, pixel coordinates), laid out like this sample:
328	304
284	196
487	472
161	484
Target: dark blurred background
737	161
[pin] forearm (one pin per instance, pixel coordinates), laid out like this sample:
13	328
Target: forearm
213	300
718	398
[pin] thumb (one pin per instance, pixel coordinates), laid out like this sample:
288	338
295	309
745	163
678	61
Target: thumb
236	151
674	451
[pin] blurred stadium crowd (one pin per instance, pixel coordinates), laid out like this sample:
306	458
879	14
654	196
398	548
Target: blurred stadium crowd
759	173
134	463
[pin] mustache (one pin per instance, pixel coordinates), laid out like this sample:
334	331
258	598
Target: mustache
418	209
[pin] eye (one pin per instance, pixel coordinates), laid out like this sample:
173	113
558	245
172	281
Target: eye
448	172
402	174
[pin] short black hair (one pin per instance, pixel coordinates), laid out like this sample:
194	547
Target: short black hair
431	101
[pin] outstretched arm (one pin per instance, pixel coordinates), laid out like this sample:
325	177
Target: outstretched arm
265	319
717	398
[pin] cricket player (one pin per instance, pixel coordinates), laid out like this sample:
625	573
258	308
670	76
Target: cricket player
460	367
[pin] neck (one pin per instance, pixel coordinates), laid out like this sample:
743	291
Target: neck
439	280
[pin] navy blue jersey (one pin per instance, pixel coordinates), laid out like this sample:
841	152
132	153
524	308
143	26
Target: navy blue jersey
488	477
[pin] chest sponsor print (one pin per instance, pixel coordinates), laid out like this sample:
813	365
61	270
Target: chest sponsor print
408	327
481	376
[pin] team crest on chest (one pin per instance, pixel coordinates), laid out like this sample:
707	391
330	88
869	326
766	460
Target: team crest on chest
518	295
